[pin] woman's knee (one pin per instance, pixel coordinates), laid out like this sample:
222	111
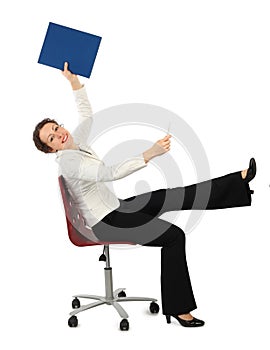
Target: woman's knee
176	235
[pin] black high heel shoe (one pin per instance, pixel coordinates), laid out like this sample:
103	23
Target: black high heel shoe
251	171
192	323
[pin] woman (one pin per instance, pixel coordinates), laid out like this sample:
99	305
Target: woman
136	219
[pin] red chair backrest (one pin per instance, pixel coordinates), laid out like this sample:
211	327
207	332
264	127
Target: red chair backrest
78	233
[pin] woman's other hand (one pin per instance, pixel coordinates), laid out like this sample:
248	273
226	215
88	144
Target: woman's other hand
72	78
160	147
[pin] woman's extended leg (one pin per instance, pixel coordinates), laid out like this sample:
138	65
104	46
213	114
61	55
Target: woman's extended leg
227	191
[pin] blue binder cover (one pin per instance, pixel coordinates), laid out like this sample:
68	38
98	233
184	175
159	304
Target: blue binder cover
64	44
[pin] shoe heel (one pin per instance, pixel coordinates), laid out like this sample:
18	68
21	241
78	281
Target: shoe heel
168	318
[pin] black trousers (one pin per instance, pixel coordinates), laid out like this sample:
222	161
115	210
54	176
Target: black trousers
136	220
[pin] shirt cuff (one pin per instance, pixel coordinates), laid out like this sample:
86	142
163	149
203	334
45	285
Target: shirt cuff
141	158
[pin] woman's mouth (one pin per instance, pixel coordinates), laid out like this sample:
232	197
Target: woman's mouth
65	138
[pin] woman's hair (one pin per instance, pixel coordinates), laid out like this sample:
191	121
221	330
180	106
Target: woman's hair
40	145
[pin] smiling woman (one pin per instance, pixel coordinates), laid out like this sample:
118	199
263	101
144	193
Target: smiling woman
56	137
50	137
137	219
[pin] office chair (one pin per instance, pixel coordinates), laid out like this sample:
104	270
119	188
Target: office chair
82	236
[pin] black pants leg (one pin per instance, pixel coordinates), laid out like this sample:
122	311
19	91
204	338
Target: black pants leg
227	191
176	290
136	221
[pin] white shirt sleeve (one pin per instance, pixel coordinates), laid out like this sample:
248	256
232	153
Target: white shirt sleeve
94	170
102	173
81	133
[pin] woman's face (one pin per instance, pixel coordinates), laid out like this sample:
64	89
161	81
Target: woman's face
55	136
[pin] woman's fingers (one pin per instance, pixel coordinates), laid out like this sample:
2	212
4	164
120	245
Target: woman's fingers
66	72
166	138
165	145
167	142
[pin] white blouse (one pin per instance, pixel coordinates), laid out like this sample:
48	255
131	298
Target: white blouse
85	173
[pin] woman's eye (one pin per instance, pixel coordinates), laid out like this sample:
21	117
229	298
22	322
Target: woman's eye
56	128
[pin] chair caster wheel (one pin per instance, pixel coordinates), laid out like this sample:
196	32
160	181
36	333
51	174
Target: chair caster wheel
124	325
73	321
122	294
154	308
76	303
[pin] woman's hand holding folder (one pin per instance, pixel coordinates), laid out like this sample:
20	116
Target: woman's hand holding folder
72	78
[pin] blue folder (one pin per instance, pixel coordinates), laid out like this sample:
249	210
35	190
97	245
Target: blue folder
64	44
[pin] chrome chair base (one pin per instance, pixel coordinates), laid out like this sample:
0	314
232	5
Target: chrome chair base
113	298
109	301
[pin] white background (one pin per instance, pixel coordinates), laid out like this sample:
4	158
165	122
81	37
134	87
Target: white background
207	61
